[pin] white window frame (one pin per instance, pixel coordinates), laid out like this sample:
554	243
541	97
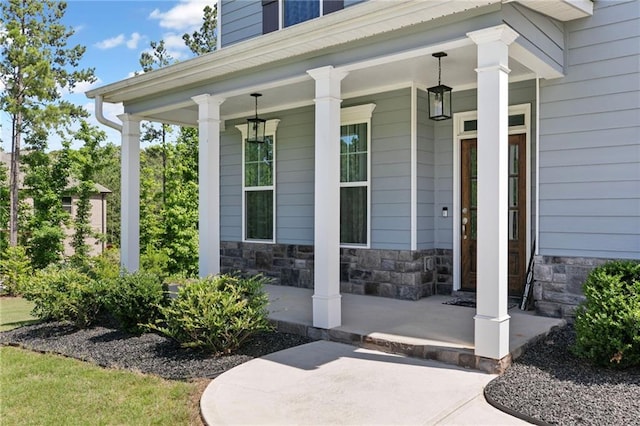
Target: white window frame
360	114
271	127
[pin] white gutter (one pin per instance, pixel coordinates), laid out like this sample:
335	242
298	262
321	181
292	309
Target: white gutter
102	119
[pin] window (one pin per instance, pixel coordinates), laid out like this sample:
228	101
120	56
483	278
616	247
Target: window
277	14
258	184
354	175
67	204
296	11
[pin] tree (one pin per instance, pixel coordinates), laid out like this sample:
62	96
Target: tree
35	64
46	180
180	214
205	40
158	58
85	163
4	207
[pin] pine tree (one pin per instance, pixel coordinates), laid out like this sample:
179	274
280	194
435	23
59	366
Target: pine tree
205	40
35	64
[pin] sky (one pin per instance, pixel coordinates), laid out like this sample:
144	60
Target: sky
115	33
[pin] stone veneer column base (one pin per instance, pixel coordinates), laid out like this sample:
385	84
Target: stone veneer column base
558	282
400	274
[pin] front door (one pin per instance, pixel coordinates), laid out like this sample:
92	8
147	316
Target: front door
517	213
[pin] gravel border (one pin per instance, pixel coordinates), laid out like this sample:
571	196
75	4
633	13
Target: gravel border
549	385
148	353
546	385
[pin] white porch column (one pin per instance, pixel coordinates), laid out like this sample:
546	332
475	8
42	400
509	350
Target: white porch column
130	193
327	309
208	183
492	320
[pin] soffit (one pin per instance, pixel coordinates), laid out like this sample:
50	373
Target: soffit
562	10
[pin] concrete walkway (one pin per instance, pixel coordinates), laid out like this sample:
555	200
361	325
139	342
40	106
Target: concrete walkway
328	383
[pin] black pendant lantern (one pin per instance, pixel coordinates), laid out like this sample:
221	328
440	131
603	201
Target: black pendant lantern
439	96
256	126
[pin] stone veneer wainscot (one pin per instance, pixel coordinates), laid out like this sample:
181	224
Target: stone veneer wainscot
400	274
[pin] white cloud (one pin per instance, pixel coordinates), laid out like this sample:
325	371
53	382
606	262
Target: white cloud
132	43
175	45
185	16
111	42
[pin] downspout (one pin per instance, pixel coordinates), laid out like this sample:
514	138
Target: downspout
102	119
104	220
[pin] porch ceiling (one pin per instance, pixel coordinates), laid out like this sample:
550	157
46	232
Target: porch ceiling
379	75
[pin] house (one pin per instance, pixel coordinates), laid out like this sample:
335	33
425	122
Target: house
355	189
98	212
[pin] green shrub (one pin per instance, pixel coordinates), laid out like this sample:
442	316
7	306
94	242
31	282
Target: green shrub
64	293
15	269
106	266
135	299
216	313
155	261
608	322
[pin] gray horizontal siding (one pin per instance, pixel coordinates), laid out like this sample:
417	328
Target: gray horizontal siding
295	179
426	176
590	139
230	184
240	20
538	33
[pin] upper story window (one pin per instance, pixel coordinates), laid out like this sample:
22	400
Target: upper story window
296	11
278	14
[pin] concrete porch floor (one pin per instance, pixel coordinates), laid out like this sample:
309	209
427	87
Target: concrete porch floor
424	329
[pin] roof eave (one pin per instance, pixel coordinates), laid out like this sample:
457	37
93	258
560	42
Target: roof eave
357	22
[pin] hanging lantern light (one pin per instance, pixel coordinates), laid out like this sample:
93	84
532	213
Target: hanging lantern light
256	125
439	96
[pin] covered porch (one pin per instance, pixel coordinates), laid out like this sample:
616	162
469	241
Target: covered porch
426	328
300	67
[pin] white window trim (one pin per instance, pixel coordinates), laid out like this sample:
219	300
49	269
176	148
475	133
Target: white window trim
458	135
360	114
271	127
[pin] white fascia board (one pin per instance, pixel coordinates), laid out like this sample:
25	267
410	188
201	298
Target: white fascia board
357	22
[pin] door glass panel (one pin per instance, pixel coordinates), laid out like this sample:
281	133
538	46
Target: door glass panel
514	155
513	225
513	192
474	223
474	162
474	193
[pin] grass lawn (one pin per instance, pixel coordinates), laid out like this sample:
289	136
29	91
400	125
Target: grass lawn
14	312
45	389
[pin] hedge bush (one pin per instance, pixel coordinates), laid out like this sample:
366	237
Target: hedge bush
62	293
15	269
608	322
135	300
216	313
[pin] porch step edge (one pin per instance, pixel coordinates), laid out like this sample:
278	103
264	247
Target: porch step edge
461	357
